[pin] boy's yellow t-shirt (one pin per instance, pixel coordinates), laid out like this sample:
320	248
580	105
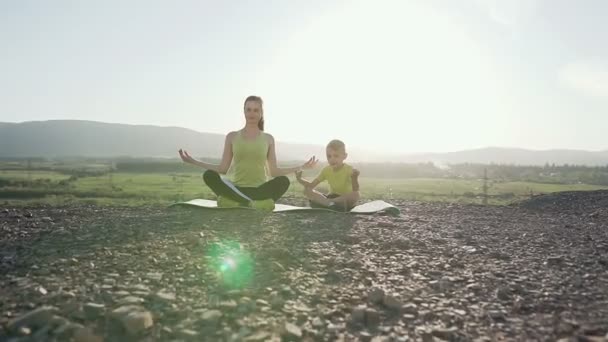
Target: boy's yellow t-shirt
340	182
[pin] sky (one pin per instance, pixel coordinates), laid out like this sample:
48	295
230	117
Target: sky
393	76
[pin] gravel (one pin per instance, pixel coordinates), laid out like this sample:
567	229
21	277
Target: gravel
536	270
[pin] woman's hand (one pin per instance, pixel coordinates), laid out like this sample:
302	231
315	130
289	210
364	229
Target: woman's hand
355	173
310	163
299	174
186	157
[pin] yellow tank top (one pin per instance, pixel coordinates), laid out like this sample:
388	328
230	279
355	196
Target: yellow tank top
249	160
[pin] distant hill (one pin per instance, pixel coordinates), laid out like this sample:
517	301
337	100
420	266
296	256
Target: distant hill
73	138
516	156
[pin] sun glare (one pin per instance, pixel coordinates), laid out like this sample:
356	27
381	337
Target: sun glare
412	72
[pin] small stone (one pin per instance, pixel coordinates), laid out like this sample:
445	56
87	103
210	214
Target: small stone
130	300
358	315
333	328
245	304
136	322
317	323
124	310
57	321
211	317
42	290
228	305
496	315
83	334
503	293
154	276
140	287
35	318
391	302
445	284
365	336
459	312
470	249
93	310
372	318
410	308
72	308
67	294
448	334
554	260
566	327
408	317
234	293
427	315
276	301
258	337
577	281
385	328
474	287
262	302
286	290
24	331
109	281
291	331
333	277
187	334
376	295
165	296
302	307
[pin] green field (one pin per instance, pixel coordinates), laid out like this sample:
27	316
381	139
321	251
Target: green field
33	175
130	188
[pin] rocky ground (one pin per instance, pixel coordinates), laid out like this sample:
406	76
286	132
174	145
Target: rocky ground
534	271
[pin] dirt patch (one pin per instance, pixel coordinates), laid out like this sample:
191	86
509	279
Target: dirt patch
575	202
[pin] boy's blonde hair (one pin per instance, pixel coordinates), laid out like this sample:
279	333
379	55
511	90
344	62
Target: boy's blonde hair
337	145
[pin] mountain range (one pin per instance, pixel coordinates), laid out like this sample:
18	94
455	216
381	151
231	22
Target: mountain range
77	138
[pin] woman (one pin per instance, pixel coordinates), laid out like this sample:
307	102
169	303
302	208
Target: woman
252	151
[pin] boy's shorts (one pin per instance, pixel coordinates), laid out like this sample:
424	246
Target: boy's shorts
336	207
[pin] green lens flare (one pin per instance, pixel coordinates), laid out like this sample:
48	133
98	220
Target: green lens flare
227	264
232	263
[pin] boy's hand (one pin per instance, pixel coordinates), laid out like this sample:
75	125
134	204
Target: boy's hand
355	179
299	175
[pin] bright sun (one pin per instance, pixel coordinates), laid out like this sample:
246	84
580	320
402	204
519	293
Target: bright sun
388	74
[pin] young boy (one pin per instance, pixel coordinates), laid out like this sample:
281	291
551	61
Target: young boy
342	178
